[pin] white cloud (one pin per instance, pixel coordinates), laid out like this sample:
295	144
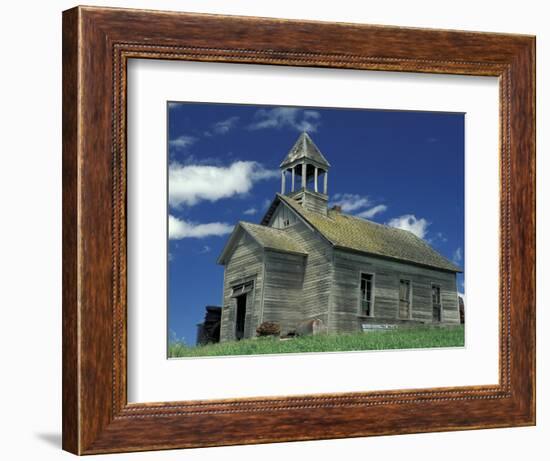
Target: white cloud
440	237
223	126
371	212
189	184
205	249
289	117
251	211
411	223
182	142
179	229
457	256
350	202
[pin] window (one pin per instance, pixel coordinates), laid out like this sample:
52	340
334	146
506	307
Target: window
436	294
367	281
436	303
405	299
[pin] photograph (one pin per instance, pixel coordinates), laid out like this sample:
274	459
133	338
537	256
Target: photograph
313	229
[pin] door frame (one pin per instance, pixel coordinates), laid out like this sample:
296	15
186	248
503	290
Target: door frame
236	325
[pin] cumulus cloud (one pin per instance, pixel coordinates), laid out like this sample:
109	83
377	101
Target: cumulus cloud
286	117
251	211
457	256
180	229
371	212
350	202
182	142
223	126
190	184
411	223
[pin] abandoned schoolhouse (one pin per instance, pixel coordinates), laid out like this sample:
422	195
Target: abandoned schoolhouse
307	262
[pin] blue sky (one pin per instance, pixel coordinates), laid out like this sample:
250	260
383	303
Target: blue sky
400	168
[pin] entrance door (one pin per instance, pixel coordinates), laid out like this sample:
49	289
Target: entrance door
404	299
436	303
240	317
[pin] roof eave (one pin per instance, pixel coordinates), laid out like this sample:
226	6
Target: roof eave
279	250
222	259
299	161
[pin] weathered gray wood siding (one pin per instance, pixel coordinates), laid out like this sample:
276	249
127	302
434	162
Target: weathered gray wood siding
345	295
283	217
282	296
246	263
315	202
318	272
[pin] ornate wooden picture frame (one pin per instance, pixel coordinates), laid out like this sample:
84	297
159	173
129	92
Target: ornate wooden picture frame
97	44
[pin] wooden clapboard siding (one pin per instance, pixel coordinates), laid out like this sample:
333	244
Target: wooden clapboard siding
449	305
282	295
317	274
345	295
283	217
246	262
315	202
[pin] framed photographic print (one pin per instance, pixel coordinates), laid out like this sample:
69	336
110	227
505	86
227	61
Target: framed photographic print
285	230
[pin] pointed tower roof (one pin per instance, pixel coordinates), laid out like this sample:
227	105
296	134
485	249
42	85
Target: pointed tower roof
304	147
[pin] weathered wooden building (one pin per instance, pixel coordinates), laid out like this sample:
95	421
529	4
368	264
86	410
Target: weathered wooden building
305	261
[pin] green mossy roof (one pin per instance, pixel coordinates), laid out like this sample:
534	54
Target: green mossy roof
352	233
271	238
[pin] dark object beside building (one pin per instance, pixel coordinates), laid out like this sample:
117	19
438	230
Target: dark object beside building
209	330
268	329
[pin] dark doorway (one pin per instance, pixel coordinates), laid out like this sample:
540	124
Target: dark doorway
240	317
436	303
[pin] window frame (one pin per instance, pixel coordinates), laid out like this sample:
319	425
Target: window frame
373	296
410	316
438	286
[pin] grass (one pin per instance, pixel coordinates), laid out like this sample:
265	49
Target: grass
406	338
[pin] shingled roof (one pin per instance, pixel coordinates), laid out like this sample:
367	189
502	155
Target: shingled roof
268	237
304	147
271	238
352	233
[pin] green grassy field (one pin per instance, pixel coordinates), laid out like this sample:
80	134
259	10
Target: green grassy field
406	338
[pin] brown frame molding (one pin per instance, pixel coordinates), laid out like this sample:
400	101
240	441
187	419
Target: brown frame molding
97	43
